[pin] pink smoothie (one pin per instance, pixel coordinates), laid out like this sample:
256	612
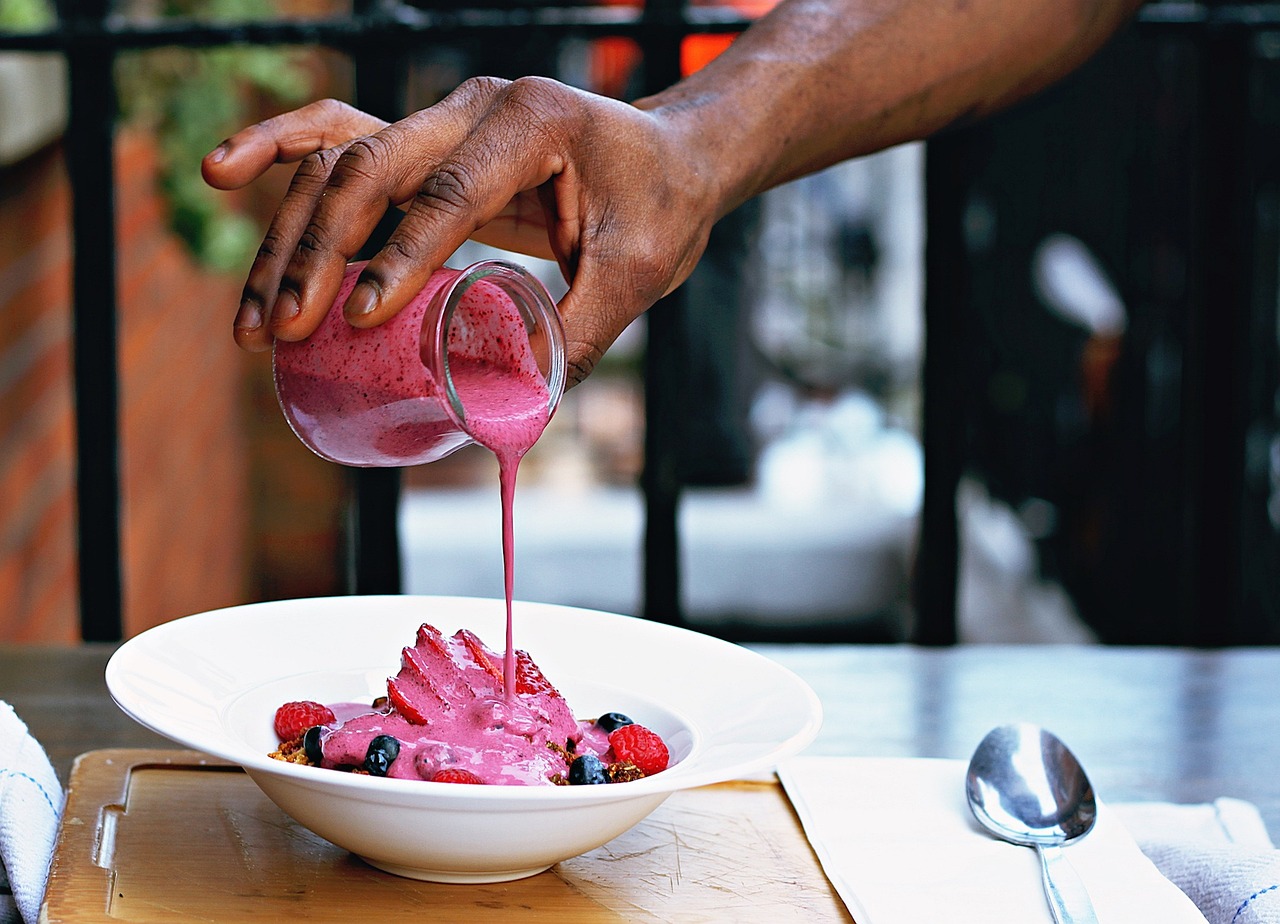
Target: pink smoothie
450	711
371	397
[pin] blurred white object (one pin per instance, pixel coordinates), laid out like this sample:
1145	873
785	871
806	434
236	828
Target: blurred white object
744	555
33	106
30	810
1074	286
1001	597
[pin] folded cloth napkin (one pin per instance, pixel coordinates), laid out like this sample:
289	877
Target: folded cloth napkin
1218	853
898	842
30	807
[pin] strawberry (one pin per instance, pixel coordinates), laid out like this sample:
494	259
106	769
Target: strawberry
530	680
401	704
455	775
489	661
292	719
529	677
640	746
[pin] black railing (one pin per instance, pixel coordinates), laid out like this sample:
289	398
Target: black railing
1162	155
380	35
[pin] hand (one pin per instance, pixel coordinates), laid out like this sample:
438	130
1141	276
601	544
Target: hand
613	193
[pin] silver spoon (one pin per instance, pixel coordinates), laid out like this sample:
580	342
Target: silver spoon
1026	787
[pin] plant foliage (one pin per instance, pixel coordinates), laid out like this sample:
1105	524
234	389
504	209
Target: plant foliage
192	99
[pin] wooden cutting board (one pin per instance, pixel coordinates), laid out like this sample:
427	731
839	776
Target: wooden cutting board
174	836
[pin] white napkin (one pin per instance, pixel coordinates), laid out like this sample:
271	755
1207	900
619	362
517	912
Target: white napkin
30	807
900	845
1218	853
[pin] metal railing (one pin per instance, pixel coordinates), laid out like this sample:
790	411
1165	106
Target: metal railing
379	36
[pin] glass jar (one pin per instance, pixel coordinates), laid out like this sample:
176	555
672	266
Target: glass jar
476	357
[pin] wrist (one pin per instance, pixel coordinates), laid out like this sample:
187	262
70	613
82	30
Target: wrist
721	151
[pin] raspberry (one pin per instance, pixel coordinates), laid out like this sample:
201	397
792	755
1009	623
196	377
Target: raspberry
292	719
455	775
640	746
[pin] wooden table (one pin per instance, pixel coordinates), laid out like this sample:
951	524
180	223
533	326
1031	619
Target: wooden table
1175	725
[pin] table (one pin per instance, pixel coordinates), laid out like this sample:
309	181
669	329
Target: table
1147	723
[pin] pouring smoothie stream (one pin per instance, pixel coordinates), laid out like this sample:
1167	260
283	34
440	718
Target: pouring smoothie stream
476	357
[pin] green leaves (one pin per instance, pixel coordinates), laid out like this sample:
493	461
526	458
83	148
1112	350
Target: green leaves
25	15
191	100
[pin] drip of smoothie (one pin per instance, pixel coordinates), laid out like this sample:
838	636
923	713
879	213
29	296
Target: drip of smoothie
505	405
506	413
386	397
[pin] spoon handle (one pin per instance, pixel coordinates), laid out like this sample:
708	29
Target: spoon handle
1068	898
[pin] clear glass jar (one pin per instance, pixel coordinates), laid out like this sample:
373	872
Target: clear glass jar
476	357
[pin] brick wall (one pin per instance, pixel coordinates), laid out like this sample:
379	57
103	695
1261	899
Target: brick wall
220	504
37	560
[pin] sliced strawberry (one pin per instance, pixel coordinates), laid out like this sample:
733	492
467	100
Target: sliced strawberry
431	639
455	775
488	660
441	676
401	704
530	679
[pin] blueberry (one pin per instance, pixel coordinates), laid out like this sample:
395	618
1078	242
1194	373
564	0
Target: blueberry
311	745
587	770
612	721
383	750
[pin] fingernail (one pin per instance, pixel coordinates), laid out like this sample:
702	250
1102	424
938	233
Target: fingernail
286	307
362	300
217	154
249	317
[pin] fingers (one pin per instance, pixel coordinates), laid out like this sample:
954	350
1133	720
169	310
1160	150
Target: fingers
258	301
600	186
317	134
337	199
286	138
500	154
371	175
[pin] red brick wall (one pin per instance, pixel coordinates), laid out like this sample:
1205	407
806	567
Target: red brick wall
184	451
185	454
37	509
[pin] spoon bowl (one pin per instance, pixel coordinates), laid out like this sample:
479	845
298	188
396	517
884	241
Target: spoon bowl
1025	786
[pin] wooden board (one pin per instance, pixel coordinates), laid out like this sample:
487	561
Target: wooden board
173	836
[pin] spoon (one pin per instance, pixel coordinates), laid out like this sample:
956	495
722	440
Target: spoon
1026	787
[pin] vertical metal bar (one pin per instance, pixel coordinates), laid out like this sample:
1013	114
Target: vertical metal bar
1147	583
89	150
373	540
1218	349
1260	528
947	183
664	361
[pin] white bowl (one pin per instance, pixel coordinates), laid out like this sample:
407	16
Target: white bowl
213	681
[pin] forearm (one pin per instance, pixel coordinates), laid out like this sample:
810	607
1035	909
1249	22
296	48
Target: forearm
819	81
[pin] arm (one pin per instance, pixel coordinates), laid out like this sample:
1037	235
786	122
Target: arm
816	82
624	196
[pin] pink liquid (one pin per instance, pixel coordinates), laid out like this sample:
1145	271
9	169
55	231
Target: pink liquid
506	413
454	713
369	397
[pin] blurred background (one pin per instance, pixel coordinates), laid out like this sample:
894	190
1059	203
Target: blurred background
1017	384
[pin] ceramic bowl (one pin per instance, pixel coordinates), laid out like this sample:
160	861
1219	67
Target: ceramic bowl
212	682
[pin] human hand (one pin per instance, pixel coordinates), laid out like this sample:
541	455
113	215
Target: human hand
614	194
